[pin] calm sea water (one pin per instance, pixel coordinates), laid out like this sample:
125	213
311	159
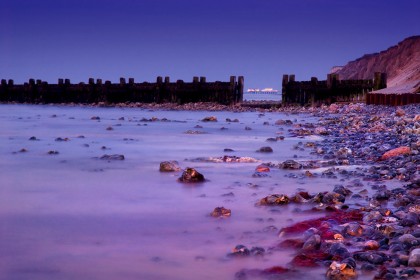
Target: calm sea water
262	97
74	216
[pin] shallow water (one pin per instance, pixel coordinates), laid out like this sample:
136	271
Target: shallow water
74	216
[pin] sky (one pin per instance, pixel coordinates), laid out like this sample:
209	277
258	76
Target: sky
258	39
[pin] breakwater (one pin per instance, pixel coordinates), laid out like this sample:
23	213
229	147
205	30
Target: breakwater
161	91
315	92
392	99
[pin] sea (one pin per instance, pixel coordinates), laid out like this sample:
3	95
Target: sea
65	213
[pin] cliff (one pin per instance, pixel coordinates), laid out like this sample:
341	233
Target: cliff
400	62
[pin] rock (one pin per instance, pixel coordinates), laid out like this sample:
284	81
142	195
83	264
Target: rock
371	245
275	199
265	150
228	150
210	119
240	251
403	150
190	175
291	164
169	166
220	212
353	229
333	198
262	168
112	157
95	118
312	243
342	271
53	152
320	130
33	138
399	112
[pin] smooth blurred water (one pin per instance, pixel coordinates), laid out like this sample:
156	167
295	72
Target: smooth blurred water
262	97
74	216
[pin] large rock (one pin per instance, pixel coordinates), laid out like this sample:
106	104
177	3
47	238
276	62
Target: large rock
190	175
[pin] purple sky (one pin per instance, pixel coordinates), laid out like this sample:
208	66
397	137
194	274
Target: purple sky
143	39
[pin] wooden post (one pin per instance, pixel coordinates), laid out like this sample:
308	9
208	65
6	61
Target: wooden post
241	84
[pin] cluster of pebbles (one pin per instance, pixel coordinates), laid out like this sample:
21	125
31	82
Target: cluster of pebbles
374	234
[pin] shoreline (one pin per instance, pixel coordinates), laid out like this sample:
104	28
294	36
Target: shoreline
370	235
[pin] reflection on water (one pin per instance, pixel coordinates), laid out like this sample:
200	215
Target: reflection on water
74	216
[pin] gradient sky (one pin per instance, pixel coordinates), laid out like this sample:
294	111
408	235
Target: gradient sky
143	39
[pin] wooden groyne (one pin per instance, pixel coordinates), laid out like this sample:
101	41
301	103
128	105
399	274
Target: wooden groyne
392	99
162	91
315	92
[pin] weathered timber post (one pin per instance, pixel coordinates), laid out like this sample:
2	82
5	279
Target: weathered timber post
284	94
159	85
241	84
232	89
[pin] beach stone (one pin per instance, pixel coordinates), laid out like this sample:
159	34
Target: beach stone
274	199
291	164
312	243
53	152
353	229
320	130
403	150
169	166
262	168
376	258
112	157
342	271
240	251
210	119
371	245
190	175
265	150
333	198
33	138
221	212
342	190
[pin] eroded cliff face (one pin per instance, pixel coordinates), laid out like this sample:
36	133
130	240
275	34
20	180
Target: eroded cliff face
400	62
